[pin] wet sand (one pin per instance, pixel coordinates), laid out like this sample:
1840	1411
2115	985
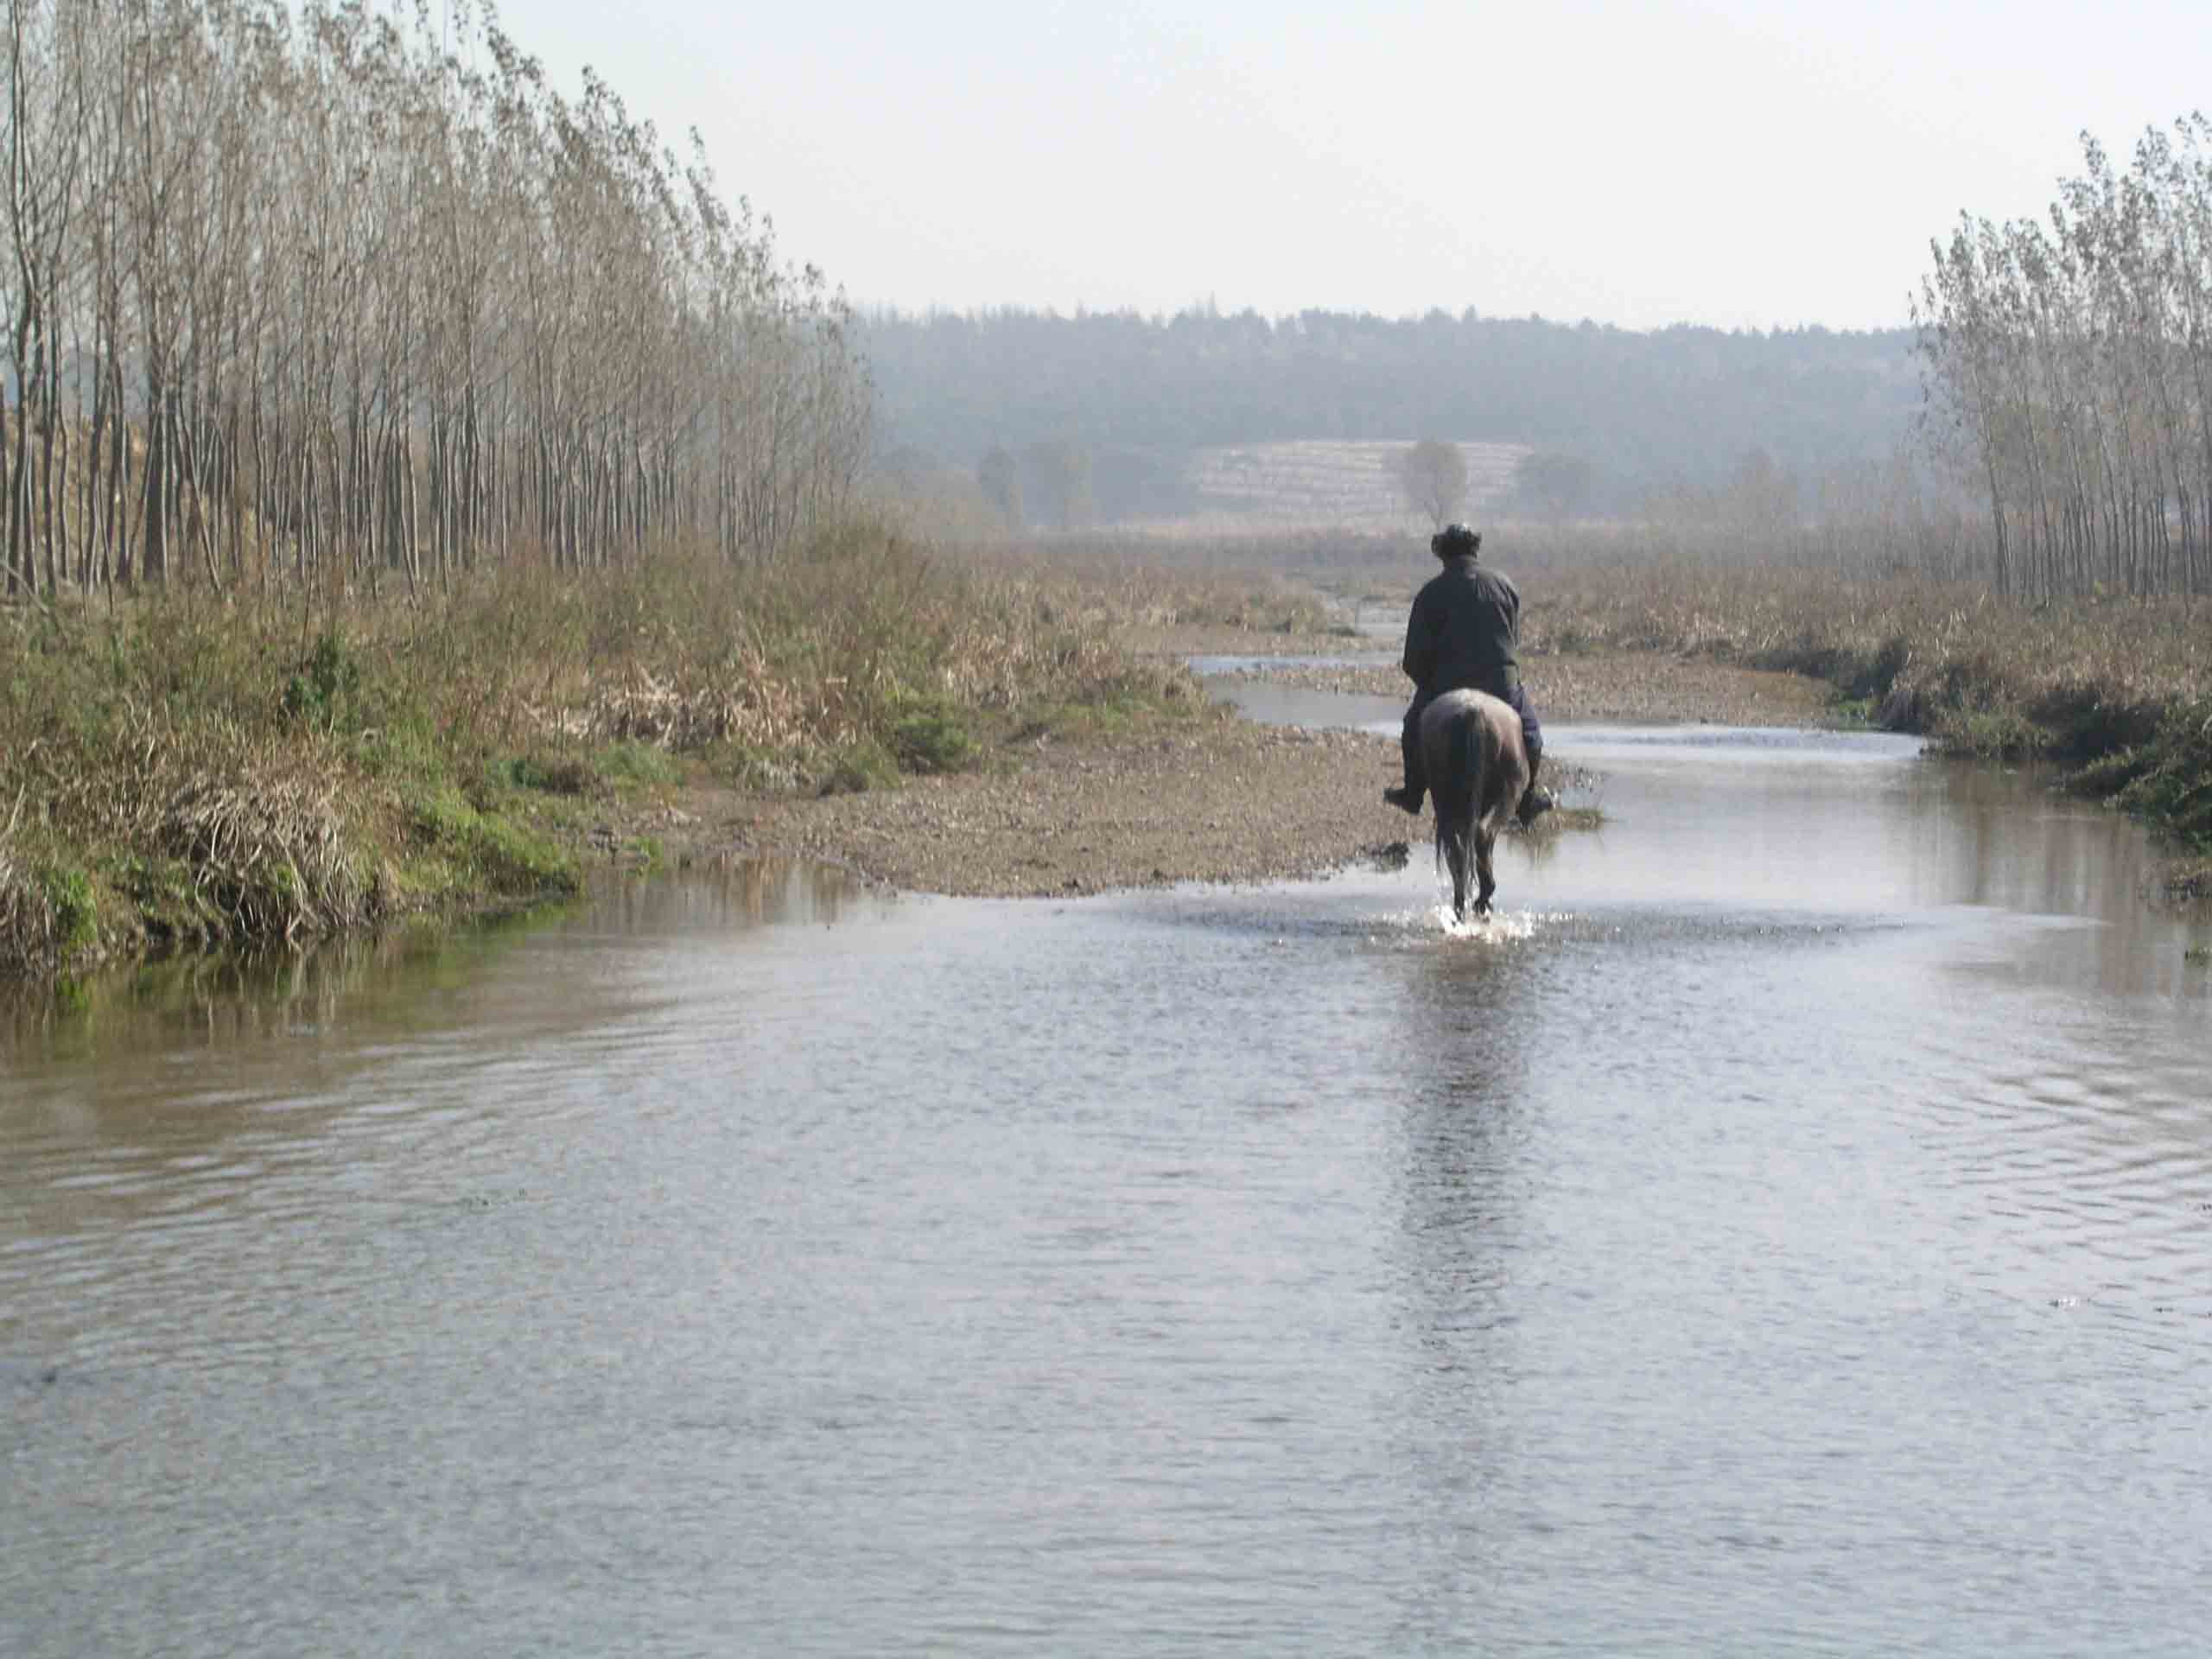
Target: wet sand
1220	799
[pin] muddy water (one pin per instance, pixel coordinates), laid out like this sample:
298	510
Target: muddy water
1787	1228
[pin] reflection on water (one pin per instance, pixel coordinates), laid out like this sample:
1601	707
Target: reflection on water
1210	667
1785	1227
1274	703
743	892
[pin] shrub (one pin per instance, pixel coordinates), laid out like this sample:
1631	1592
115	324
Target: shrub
268	852
931	739
633	763
2172	777
68	893
551	774
325	689
856	767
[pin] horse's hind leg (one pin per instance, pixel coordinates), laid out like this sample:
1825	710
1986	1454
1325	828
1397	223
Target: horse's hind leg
1485	842
1455	855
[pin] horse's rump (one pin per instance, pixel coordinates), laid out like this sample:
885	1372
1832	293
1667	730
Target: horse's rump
1477	767
1471	747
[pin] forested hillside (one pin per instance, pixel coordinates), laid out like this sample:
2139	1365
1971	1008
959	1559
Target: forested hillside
1645	413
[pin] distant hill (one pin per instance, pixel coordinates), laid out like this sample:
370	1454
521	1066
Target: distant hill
1321	484
1143	400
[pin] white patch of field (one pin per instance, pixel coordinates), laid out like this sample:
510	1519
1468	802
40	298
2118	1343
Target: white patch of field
1321	484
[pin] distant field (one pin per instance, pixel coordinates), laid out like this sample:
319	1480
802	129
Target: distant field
1318	484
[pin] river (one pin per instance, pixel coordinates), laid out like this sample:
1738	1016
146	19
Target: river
1787	1228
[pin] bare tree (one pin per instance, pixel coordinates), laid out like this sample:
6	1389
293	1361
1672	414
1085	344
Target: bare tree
319	292
1057	479
1554	483
1432	475
999	481
2070	370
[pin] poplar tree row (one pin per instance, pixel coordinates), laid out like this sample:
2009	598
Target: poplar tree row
2070	372
311	293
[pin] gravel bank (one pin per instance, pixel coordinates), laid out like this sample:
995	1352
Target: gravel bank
1225	801
1219	800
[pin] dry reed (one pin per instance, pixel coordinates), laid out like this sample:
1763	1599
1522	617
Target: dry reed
247	770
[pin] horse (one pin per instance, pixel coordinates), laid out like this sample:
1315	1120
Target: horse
1477	768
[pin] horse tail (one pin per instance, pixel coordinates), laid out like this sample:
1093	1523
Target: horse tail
1467	748
1467	757
1456	790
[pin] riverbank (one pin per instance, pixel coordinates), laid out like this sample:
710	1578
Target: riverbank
1209	798
185	772
189	770
2112	695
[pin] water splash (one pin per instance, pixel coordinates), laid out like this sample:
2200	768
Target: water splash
1500	927
1420	925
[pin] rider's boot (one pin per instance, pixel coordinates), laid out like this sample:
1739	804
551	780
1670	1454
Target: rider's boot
1407	798
1535	802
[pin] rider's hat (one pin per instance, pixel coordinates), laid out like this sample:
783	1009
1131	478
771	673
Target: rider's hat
1455	542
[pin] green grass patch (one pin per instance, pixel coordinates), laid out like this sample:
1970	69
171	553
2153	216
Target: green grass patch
1107	717
48	910
1993	734
487	852
2166	780
68	892
856	767
631	765
407	745
545	773
2172	784
170	906
932	738
754	766
618	768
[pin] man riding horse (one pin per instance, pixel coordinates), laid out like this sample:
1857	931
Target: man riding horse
1465	635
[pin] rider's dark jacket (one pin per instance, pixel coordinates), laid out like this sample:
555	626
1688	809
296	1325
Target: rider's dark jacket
1464	634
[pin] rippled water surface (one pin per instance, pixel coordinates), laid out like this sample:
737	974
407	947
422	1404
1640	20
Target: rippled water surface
1787	1228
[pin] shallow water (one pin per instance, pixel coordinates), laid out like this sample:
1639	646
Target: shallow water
1787	1228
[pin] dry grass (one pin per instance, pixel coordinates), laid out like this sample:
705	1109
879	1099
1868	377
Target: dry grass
1981	675
27	931
2119	692
1125	595
144	822
270	852
229	770
188	770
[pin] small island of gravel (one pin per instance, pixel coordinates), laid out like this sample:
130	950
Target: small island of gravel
1213	798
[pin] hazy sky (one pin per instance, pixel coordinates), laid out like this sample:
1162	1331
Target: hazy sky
1745	165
